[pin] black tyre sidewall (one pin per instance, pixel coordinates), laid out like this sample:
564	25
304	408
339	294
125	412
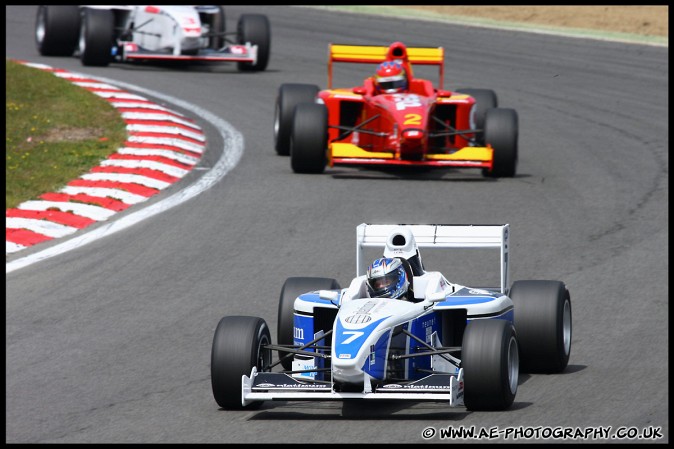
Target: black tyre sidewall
98	28
309	138
255	28
289	96
236	347
484	357
61	29
292	288
501	132
539	322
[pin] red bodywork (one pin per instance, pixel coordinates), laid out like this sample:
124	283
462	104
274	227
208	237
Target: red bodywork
420	127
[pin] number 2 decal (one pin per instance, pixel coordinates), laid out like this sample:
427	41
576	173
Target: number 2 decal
412	119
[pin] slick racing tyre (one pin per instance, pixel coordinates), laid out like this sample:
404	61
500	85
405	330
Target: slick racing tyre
543	325
96	37
57	28
289	96
501	132
238	346
292	288
484	99
490	360
217	26
309	138
254	28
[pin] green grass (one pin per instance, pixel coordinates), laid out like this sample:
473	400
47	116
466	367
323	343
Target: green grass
55	132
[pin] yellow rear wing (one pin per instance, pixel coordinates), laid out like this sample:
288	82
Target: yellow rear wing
373	54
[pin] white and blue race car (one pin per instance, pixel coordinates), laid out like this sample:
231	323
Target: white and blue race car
101	34
448	342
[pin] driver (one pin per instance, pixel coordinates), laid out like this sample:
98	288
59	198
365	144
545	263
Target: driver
390	78
389	278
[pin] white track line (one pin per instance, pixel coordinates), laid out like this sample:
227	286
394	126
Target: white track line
231	154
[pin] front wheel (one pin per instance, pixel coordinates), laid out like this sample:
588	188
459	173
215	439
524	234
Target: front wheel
490	359
239	344
543	323
289	96
309	138
485	99
501	132
255	28
292	288
96	37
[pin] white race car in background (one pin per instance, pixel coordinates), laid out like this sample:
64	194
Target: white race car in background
464	346
101	34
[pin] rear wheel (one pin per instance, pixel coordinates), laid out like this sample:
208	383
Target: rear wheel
218	26
292	288
484	99
289	96
543	324
309	138
96	37
57	29
255	28
490	361
501	132
238	346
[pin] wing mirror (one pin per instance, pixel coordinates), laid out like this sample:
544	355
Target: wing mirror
444	93
360	90
328	294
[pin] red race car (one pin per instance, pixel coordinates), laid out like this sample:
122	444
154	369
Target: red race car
394	118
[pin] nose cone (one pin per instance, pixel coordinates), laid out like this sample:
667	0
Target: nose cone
347	371
361	336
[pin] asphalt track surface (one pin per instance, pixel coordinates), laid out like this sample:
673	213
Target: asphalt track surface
110	342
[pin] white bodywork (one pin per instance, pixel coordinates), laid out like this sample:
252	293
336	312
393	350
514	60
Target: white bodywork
162	27
169	27
176	32
363	326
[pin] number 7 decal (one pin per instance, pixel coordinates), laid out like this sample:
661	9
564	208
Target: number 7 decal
354	335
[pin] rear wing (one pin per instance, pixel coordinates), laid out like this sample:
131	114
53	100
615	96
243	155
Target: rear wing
439	236
372	54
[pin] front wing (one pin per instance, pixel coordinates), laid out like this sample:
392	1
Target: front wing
234	53
468	157
266	386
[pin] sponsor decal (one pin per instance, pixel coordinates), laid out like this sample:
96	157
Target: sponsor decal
265	385
427	387
358	318
367	307
344	356
300	385
407	101
299	333
477	291
429	323
416	387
